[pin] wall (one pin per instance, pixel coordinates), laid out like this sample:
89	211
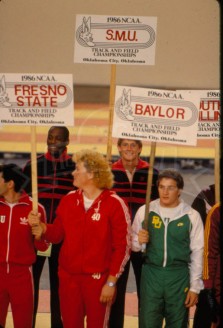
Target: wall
38	37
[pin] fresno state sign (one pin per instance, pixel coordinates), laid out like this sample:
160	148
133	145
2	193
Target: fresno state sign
36	99
155	115
115	40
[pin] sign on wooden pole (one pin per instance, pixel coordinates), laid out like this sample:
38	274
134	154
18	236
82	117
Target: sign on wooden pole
114	40
30	99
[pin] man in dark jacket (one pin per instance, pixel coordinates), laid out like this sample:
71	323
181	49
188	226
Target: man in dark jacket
204	201
54	170
131	176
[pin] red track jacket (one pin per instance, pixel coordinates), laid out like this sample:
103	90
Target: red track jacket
96	240
16	240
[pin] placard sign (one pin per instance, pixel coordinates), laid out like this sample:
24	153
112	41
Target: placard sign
124	40
36	99
209	113
155	115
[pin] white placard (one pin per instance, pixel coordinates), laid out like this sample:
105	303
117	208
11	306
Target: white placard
36	99
124	40
155	115
209	113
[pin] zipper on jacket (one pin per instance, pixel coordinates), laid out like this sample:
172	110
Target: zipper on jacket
130	177
166	222
8	238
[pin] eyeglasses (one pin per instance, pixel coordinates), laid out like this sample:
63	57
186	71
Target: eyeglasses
167	188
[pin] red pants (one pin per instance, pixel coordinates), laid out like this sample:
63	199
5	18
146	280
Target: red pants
16	288
79	297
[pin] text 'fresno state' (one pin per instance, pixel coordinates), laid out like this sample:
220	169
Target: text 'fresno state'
39	95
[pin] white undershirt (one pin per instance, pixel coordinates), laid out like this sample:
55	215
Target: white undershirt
11	204
87	203
170	212
130	174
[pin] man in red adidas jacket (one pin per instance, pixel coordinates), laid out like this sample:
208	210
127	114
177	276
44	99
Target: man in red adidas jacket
17	251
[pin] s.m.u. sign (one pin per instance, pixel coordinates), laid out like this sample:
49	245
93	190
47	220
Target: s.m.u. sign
115	40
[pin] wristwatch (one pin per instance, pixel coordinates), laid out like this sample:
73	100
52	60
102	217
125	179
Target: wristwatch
110	283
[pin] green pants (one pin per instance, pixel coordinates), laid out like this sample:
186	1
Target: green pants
163	293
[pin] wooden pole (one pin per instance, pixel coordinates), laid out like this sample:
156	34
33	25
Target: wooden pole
34	168
217	171
111	111
149	182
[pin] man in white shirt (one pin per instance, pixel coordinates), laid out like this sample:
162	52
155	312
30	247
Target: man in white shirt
172	271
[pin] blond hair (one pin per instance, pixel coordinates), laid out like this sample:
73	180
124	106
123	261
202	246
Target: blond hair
97	164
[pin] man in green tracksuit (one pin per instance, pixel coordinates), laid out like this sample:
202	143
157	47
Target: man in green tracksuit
172	272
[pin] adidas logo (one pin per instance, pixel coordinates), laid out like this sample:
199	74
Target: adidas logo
24	221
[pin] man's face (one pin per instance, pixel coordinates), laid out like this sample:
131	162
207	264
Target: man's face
129	150
3	186
56	142
168	192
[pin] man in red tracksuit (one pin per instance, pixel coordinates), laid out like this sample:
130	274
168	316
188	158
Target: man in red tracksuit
17	251
94	225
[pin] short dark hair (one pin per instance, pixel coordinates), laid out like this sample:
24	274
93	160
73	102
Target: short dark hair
139	142
65	131
13	172
171	174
